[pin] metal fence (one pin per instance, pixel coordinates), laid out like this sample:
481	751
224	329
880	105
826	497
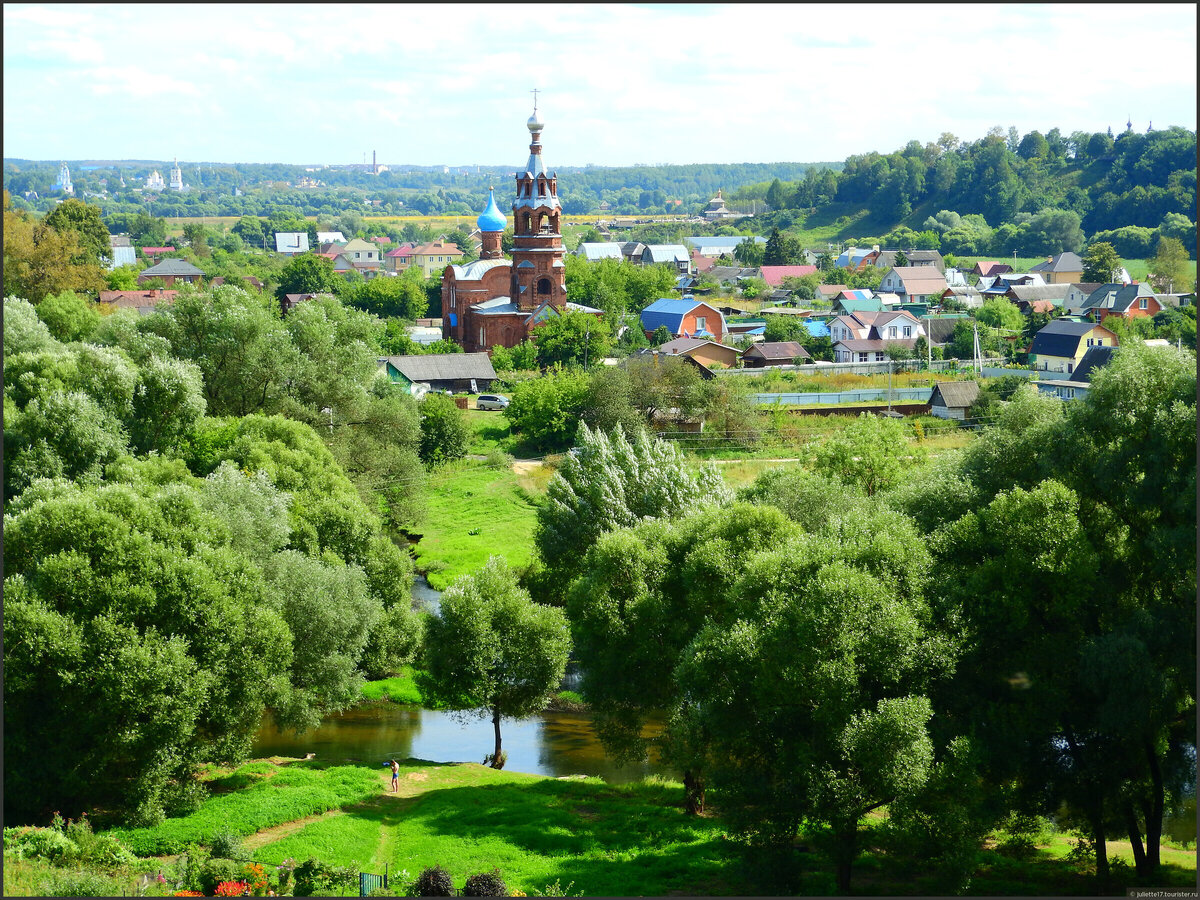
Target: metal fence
866	368
369	881
899	395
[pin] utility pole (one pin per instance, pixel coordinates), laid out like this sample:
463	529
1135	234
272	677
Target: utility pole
587	333
889	385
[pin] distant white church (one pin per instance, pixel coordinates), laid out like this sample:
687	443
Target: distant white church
63	183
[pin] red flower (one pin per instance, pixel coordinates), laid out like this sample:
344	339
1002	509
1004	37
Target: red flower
231	889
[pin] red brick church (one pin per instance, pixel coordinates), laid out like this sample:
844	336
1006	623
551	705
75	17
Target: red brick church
497	301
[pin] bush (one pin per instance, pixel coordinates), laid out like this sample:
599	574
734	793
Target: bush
225	844
216	871
443	430
314	877
434	882
78	884
38	843
558	890
485	884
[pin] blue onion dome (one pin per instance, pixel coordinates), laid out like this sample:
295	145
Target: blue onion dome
491	219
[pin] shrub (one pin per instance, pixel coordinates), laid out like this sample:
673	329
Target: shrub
100	849
314	877
434	882
38	843
225	844
216	871
485	884
557	890
77	884
443	430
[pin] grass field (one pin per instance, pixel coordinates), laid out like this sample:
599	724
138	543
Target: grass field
474	511
628	840
398	689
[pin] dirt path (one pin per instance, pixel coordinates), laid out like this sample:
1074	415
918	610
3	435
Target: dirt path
275	832
525	466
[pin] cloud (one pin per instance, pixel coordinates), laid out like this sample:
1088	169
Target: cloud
620	82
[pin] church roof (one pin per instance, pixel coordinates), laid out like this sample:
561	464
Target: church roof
474	271
497	306
491	219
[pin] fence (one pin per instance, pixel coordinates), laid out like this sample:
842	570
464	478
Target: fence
867	368
920	395
369	881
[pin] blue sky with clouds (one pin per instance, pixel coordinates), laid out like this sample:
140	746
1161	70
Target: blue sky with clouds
430	84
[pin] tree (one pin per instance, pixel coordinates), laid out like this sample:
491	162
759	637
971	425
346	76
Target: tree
572	338
197	237
39	260
749	253
307	273
443	430
781	249
546	411
614	482
868	454
641	595
493	651
250	230
68	316
660	336
1100	263
1001	313
1033	146
122	278
82	220
402	297
1169	267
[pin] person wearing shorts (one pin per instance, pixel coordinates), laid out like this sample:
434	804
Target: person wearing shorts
395	775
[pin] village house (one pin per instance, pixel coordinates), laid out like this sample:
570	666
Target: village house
1077	295
990	268
914	284
1130	301
435	255
171	271
362	255
684	318
399	259
886	259
1060	345
867	336
143	301
774	353
290	243
1077	386
707	353
458	372
1065	268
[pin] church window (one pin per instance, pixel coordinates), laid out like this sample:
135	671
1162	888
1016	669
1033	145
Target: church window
543	286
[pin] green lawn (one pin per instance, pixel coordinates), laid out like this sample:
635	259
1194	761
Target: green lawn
474	511
398	689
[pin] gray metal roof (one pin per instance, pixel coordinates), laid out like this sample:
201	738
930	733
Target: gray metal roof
443	366
496	306
1030	292
291	241
172	267
591	250
661	253
1064	262
474	271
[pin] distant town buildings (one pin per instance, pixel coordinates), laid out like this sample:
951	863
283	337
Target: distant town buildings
155	182
717	209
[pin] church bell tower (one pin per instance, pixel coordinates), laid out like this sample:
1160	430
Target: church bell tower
537	254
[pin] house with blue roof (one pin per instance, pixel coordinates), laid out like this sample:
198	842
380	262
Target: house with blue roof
684	318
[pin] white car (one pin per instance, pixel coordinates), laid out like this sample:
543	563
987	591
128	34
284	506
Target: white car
491	401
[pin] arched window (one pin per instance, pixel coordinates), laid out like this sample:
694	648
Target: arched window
543	286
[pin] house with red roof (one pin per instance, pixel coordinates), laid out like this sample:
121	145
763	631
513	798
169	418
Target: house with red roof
399	259
774	275
156	251
985	268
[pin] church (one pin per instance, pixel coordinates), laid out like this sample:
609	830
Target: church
496	301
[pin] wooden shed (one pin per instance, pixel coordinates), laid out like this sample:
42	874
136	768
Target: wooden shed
952	399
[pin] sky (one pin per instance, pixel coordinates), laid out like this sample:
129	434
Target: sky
619	84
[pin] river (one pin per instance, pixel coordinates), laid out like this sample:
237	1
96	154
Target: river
553	743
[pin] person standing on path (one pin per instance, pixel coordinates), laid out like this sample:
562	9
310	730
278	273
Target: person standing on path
395	775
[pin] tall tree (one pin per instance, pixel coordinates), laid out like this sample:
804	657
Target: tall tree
83	220
492	651
1100	263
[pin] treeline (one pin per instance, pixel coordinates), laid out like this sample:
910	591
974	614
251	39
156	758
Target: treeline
1063	187
256	190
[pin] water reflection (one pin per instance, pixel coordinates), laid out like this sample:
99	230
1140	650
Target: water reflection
556	744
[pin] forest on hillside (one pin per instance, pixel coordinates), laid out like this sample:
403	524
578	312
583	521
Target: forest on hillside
1084	187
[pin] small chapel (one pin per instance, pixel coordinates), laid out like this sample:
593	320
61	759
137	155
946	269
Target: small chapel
496	301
